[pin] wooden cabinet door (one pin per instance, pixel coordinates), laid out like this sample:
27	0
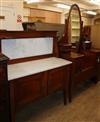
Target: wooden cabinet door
89	60
27	89
57	78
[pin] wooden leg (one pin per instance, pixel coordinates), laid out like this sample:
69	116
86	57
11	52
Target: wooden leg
12	104
70	92
70	84
65	96
70	96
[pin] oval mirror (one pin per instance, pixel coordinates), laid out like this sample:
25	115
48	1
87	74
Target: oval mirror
73	27
74	24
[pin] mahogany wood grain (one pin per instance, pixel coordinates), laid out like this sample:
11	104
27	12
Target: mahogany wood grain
27	89
26	34
19	60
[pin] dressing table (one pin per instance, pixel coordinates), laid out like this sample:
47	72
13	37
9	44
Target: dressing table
84	60
34	68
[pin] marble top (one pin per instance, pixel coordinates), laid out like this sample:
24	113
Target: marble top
33	67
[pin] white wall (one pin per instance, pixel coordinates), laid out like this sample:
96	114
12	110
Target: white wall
11	9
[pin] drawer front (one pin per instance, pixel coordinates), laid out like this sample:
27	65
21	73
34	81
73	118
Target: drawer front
57	79
78	65
27	89
89	60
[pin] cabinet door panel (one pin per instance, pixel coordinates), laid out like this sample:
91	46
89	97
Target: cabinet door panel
56	79
27	89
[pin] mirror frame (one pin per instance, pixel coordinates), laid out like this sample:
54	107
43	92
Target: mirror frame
66	30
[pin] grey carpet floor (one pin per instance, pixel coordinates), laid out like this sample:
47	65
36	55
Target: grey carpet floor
85	107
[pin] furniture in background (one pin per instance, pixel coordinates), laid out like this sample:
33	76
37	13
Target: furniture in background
4	91
42	26
95	30
96	52
84	60
87	33
31	74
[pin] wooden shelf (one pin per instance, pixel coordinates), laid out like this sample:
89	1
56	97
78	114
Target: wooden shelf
35	18
75	23
2	17
75	28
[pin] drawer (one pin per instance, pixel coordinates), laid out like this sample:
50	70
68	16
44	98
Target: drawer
89	60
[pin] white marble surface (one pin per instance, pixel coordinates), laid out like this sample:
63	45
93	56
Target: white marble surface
32	67
26	47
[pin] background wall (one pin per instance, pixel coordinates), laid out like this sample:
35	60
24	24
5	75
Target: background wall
11	9
43	13
95	36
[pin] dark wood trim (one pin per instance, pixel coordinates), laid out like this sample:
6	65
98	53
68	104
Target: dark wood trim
19	60
55	48
12	99
4	91
26	34
0	45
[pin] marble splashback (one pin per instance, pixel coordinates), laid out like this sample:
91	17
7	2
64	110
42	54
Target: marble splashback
20	48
